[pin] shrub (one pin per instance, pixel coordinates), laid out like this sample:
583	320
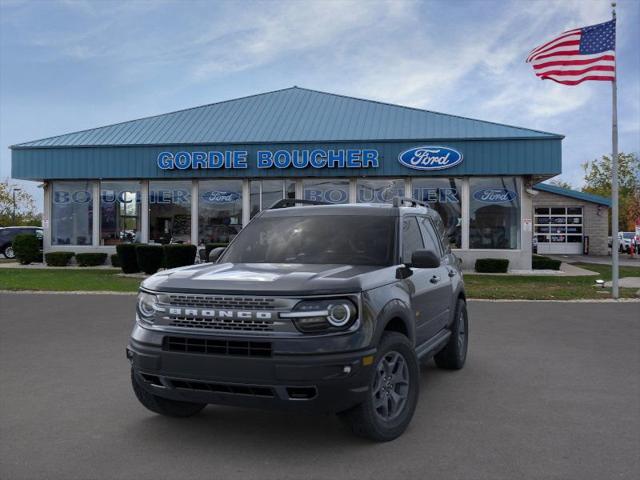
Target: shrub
178	255
115	260
90	259
210	246
27	248
128	258
149	258
492	265
545	263
58	259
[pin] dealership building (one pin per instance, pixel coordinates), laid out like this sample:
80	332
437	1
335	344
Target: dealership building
198	175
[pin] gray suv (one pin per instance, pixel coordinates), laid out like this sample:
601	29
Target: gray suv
323	308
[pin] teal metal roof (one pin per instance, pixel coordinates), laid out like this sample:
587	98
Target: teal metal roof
291	115
565	192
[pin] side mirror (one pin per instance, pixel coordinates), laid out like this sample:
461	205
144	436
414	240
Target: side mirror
214	255
424	259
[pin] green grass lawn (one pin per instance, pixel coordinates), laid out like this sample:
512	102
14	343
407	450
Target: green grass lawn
547	287
64	280
478	286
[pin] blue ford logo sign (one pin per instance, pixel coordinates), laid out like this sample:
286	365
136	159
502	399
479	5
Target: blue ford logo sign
430	158
219	197
495	195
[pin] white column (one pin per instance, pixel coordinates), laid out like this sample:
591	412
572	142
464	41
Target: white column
95	241
46	216
299	192
526	237
246	201
194	212
465	213
144	211
353	193
408	188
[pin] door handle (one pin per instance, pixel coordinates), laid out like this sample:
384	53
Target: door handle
435	279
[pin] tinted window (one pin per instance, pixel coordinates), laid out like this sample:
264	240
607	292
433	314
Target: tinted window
411	238
431	241
348	240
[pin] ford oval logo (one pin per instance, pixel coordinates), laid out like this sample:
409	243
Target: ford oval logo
430	158
495	195
219	197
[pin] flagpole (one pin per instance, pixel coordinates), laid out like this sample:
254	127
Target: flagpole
614	177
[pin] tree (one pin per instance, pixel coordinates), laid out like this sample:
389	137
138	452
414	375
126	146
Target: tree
25	207
597	179
558	182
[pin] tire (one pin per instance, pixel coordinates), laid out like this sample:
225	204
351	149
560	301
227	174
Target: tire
454	354
164	406
8	252
368	419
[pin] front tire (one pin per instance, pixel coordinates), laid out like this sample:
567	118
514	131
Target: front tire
164	406
454	354
8	252
393	393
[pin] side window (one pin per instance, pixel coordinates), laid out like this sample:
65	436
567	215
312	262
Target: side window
431	241
411	238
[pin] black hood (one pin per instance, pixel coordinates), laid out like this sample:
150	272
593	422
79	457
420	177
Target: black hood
271	279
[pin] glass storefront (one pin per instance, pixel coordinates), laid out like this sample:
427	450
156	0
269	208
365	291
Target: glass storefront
378	190
219	210
494	213
264	193
170	211
444	195
326	190
119	212
72	213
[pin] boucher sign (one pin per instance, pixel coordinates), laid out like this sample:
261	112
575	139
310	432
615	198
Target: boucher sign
265	159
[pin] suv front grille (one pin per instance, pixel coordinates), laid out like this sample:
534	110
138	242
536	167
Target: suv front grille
234	324
217	301
217	347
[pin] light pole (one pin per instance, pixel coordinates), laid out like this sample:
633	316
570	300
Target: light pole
14	203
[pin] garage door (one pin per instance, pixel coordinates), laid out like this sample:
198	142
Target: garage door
558	229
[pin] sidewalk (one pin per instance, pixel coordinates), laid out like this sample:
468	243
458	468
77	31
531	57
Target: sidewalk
624	259
566	270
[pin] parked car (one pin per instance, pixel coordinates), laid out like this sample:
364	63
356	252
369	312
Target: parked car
7	234
625	240
325	308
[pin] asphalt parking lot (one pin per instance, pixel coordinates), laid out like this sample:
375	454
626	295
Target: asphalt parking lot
551	390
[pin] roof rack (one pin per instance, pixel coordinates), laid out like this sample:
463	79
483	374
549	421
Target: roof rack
399	201
292	202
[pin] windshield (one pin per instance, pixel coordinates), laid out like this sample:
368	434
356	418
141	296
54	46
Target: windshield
340	239
628	234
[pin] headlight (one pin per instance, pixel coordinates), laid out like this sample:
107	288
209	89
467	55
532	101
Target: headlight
147	305
323	315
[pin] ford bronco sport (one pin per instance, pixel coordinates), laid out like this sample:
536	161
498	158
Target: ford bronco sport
324	308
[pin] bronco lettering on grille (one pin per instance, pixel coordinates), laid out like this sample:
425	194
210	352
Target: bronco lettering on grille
239	314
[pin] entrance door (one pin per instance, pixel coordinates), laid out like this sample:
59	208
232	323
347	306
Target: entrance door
559	230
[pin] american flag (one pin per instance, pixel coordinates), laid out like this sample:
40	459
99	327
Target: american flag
587	53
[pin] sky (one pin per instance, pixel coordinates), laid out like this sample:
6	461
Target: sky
72	65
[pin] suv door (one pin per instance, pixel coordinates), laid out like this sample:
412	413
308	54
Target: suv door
441	304
421	286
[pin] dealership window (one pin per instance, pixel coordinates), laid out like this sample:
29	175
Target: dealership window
219	210
72	213
378	190
170	212
119	212
264	193
444	195
494	213
326	190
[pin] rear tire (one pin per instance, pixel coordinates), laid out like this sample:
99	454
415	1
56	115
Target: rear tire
164	406
393	394
454	354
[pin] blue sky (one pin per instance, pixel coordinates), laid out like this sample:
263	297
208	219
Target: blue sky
72	65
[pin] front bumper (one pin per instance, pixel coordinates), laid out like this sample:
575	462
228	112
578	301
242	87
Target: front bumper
326	383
